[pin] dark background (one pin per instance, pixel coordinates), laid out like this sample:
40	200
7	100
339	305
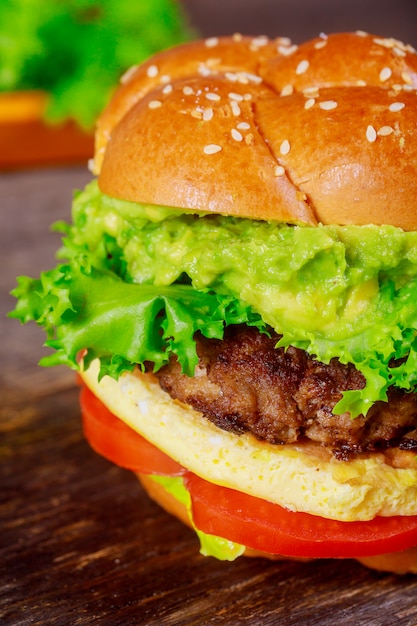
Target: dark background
303	19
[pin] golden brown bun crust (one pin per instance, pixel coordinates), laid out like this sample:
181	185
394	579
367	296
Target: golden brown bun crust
323	132
169	145
371	178
343	59
397	562
192	59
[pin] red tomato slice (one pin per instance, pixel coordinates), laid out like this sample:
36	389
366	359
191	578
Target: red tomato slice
117	442
270	528
240	517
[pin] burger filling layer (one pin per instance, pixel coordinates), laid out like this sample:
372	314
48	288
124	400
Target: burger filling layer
243	383
299	477
285	331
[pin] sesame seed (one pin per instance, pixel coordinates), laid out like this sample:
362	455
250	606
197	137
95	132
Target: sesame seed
384	42
235	108
242	78
396	106
384	131
260	41
371	134
237	37
328	105
187	91
284	41
211	148
208	114
237	136
286	50
398	52
320	44
309	103
385	74
254	78
152	71
211	42
165	79
312	92
247	96
197	114
407	78
285	147
279	170
128	74
213	96
302	67
204	71
243	126
235	96
361	83
167	89
154	104
232	76
287	90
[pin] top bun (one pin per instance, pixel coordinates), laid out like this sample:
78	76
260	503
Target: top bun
321	132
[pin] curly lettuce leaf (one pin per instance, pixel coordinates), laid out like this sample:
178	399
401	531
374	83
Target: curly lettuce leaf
122	324
210	545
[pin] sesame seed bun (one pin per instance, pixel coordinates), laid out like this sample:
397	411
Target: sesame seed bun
241	121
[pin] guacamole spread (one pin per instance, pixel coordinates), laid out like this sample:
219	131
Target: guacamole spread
138	281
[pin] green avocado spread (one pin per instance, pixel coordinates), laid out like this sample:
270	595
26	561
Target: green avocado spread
137	281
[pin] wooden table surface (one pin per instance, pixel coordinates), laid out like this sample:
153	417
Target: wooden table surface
80	543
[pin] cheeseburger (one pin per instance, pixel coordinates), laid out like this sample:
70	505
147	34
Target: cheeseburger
238	291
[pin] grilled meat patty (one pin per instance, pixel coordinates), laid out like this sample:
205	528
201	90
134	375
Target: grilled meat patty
243	383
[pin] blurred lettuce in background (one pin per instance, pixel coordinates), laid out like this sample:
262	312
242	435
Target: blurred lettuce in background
76	50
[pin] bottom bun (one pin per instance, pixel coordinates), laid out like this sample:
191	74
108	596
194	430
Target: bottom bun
404	562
